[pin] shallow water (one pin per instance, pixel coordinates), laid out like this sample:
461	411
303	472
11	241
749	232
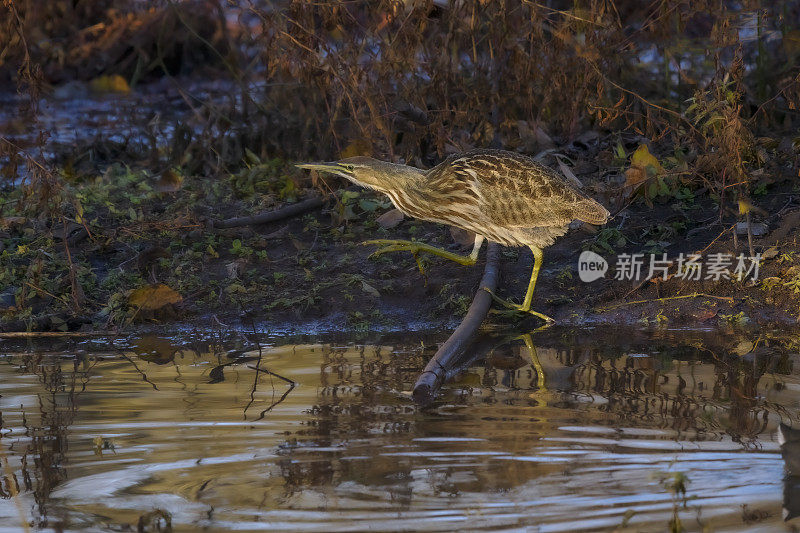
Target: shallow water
100	434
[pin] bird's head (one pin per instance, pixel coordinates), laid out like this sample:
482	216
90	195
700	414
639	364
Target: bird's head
367	172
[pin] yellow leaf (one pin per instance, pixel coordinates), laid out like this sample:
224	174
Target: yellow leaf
744	206
153	297
643	159
110	84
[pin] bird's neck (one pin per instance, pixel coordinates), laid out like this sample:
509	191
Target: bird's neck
401	178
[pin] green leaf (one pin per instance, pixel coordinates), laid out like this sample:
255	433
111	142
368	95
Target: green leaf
349	195
288	190
368	205
252	158
620	151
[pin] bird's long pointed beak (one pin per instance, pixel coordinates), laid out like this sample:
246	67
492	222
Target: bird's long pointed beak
324	167
334	167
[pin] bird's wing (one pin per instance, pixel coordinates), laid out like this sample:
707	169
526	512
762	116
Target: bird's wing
516	191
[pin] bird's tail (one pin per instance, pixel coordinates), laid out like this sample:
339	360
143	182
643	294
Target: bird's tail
592	212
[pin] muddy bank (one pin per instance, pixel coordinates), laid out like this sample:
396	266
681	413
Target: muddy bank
137	245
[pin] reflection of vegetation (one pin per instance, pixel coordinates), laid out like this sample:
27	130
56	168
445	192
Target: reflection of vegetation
39	436
685	389
675	483
156	520
44	444
259	370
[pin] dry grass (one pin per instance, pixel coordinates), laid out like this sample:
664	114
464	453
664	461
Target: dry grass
81	39
418	80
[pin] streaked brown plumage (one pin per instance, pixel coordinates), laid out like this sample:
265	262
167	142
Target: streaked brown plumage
512	199
501	196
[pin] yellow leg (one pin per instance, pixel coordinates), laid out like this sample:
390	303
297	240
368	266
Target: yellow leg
526	303
537	264
540	381
417	247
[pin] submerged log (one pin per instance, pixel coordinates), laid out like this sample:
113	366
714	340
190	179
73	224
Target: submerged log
450	352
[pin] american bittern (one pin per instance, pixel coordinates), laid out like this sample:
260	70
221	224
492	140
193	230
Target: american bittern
501	196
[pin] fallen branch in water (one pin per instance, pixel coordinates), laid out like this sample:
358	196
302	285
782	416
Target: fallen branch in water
292	385
437	368
289	211
271	373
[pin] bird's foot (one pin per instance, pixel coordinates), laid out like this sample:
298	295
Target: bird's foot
517	308
390	245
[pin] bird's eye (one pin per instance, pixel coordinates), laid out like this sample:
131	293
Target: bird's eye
349	168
